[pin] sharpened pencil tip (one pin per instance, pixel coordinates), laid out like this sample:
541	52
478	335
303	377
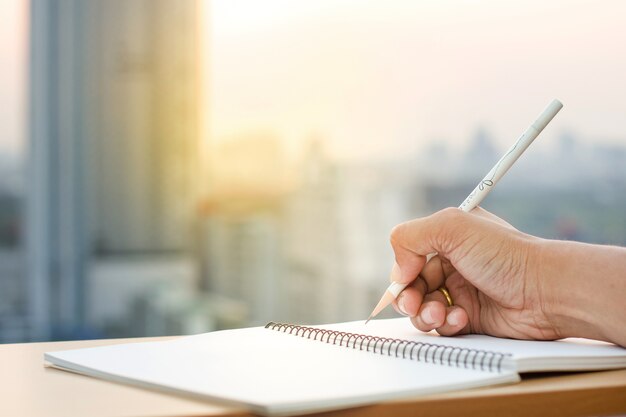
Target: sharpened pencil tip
384	302
368	319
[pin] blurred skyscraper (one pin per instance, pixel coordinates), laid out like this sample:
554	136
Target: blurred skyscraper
243	238
113	142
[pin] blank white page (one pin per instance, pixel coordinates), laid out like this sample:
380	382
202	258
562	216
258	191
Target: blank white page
269	371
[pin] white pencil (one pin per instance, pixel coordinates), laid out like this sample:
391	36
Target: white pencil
485	186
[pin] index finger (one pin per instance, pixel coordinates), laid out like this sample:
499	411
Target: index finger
412	241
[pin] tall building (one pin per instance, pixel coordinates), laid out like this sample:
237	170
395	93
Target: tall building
243	253
142	87
315	272
113	142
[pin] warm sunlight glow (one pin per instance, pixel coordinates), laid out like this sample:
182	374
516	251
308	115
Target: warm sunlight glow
378	77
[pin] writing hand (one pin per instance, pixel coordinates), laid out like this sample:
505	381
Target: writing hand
504	282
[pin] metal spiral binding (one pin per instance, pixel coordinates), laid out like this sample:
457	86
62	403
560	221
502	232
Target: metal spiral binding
419	351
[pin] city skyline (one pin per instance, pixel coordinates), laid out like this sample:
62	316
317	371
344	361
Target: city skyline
12	173
256	267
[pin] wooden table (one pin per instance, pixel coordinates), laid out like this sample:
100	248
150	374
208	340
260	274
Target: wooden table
28	389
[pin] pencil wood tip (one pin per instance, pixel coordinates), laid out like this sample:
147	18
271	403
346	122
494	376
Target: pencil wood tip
368	319
384	302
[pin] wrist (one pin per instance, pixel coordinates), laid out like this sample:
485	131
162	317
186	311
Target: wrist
568	293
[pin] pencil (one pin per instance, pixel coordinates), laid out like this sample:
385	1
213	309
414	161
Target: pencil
484	187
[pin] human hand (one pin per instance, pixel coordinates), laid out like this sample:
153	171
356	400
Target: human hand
506	283
487	266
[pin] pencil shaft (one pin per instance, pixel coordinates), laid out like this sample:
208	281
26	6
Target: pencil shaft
508	159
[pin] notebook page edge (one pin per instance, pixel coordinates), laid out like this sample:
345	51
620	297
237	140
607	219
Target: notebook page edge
66	366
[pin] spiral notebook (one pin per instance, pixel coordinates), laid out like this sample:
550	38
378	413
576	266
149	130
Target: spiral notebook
287	369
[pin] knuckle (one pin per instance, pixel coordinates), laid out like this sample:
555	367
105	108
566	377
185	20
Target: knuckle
451	224
450	215
396	234
450	218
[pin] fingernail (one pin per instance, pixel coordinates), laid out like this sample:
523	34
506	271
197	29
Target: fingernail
427	316
401	305
395	272
452	319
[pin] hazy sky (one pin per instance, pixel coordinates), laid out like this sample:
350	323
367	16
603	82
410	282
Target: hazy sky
384	77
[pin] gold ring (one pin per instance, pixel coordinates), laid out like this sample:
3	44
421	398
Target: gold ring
446	294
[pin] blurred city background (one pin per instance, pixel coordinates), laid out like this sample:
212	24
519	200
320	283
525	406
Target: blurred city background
175	167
